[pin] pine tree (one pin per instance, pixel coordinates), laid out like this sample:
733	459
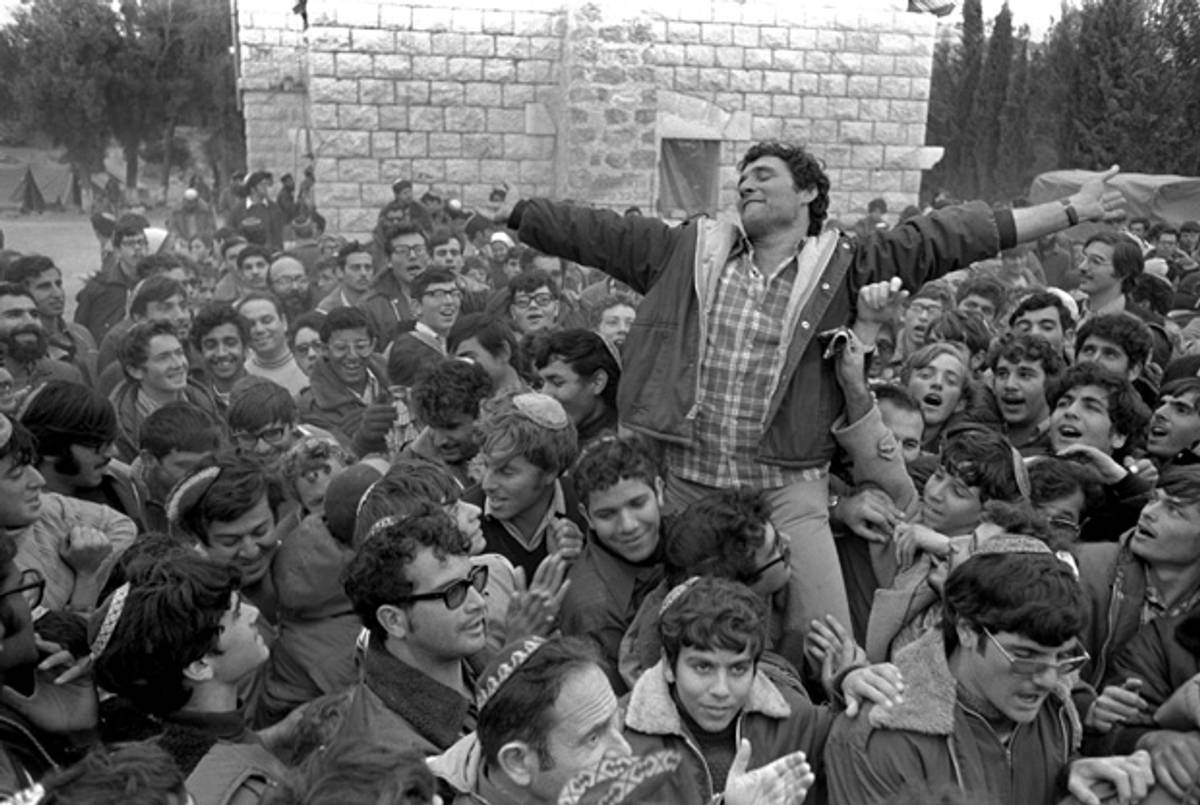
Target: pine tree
984	120
1014	155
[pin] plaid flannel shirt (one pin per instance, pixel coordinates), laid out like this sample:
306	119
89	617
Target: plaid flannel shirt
739	365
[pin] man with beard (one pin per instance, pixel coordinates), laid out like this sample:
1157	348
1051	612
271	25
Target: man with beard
219	335
76	432
67	341
388	303
24	344
287	279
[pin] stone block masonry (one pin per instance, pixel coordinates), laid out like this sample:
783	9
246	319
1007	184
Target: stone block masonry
574	100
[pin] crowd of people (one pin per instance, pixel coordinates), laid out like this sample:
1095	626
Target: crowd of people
545	503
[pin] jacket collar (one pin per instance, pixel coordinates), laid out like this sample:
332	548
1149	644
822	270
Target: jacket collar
652	711
930	691
434	710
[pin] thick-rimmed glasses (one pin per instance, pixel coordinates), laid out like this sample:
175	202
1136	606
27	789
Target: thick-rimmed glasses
541	300
1024	667
273	435
455	593
31	584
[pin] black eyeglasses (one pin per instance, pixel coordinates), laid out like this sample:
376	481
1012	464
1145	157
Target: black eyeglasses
32	585
783	556
455	593
273	435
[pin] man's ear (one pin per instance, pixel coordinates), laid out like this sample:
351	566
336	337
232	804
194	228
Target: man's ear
519	762
598	382
668	669
394	620
199	671
660	489
137	373
967	636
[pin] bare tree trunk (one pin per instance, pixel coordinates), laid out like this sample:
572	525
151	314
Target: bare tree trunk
168	140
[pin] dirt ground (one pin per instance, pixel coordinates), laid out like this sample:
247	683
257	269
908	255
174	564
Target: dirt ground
66	237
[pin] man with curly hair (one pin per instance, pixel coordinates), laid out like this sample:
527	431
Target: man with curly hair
722	366
446	400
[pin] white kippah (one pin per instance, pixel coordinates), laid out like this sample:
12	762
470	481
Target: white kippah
542	409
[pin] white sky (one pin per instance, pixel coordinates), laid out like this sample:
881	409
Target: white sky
1037	14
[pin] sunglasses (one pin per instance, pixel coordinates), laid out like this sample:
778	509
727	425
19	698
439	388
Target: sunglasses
455	593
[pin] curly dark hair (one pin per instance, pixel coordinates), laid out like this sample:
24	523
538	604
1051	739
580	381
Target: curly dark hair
378	573
1128	413
449	389
1127	332
609	461
212	316
807	172
171	618
718	535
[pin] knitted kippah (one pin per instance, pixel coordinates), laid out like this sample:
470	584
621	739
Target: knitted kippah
676	593
542	409
504	665
621	779
1013	543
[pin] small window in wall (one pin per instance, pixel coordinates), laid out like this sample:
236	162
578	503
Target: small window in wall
687	177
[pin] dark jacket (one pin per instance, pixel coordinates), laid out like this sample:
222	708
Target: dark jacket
500	541
101	303
129	419
934	738
328	403
397	705
386	305
605	594
1115	581
1164	654
678	269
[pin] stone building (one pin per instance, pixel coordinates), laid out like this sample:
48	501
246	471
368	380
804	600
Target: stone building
614	103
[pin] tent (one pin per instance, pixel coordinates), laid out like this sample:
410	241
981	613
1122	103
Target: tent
1173	199
34	187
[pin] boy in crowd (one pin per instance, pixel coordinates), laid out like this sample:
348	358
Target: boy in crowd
620	487
707	693
176	641
155	364
446	400
172	441
1045	313
1175	425
220	337
490	343
348	392
613	318
579	369
156	298
529	509
1024	367
532	302
264	421
388	303
1097	419
1117	341
436	300
986	708
270	356
984	297
415	588
76	430
354	272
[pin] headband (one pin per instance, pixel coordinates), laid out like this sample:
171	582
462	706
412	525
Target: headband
677	592
514	657
109	625
189	491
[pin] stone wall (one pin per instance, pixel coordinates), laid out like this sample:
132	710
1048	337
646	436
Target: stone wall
574	100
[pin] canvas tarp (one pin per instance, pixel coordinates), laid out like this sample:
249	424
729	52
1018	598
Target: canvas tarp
33	187
1173	199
